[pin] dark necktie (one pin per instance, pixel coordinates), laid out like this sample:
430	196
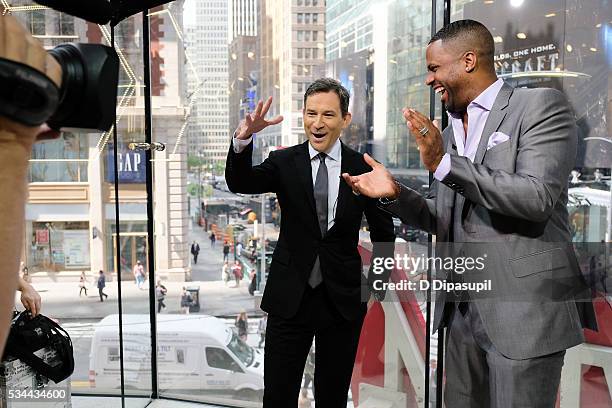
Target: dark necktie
320	195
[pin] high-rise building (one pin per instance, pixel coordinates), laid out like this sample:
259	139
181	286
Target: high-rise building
207	42
292	56
242	16
243	59
350	59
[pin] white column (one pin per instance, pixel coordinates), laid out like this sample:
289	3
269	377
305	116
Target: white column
97	250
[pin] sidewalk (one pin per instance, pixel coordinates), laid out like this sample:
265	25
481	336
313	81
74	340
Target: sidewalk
61	299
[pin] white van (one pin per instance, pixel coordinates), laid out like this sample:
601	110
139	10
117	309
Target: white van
196	354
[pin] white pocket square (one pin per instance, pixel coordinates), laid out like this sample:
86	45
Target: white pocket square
497	138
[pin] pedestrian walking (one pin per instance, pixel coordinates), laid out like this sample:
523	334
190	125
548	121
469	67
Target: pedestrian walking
261	329
139	274
242	323
186	301
213	239
82	284
225	273
195	251
226	250
252	282
160	293
237	271
101	285
238	250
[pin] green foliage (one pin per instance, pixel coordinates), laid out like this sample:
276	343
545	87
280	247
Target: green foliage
193	162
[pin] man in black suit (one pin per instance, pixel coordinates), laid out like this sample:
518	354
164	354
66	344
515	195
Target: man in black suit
315	282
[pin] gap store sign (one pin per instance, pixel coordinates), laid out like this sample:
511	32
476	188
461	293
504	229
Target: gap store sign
131	165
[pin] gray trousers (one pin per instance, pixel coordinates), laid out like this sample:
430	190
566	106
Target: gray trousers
478	376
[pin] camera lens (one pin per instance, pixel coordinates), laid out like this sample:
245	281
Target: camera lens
73	82
88	94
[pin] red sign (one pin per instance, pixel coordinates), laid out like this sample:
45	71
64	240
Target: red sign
42	236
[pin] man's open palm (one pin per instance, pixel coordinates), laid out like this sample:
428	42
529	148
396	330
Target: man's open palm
256	121
376	183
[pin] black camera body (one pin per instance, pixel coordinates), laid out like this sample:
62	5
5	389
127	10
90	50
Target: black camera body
86	99
89	87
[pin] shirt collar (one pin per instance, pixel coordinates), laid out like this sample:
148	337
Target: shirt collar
485	99
333	152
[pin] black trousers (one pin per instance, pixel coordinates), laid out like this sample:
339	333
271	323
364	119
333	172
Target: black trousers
288	342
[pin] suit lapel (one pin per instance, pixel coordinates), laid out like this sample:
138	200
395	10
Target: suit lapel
304	171
495	118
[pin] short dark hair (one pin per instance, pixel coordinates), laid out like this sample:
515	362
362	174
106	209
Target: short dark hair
329	85
468	33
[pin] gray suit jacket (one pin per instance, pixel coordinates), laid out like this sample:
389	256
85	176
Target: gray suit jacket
510	204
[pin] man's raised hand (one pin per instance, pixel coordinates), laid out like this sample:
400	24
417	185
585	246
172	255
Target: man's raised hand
256	121
376	183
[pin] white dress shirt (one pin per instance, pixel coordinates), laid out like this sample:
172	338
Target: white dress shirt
478	111
332	161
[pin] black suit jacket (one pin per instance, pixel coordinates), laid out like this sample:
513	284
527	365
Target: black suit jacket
288	173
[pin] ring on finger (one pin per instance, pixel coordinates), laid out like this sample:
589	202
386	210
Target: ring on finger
424	130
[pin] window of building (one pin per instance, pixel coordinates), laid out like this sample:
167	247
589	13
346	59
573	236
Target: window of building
300	53
58	245
307	53
63	160
300	18
315	35
307	35
66	24
315	18
300	35
37	22
307	18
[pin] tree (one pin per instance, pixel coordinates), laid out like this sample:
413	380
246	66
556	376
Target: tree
193	162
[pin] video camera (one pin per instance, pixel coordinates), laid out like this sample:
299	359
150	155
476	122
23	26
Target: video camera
87	97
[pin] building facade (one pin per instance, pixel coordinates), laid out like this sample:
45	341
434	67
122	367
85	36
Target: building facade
207	39
70	214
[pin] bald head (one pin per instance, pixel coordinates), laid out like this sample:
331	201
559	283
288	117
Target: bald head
468	35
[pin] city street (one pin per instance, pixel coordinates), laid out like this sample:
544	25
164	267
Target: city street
79	314
61	299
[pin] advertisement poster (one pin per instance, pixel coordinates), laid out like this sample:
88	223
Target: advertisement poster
76	248
42	236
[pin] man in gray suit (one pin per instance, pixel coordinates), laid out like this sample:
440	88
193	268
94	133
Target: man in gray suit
500	188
